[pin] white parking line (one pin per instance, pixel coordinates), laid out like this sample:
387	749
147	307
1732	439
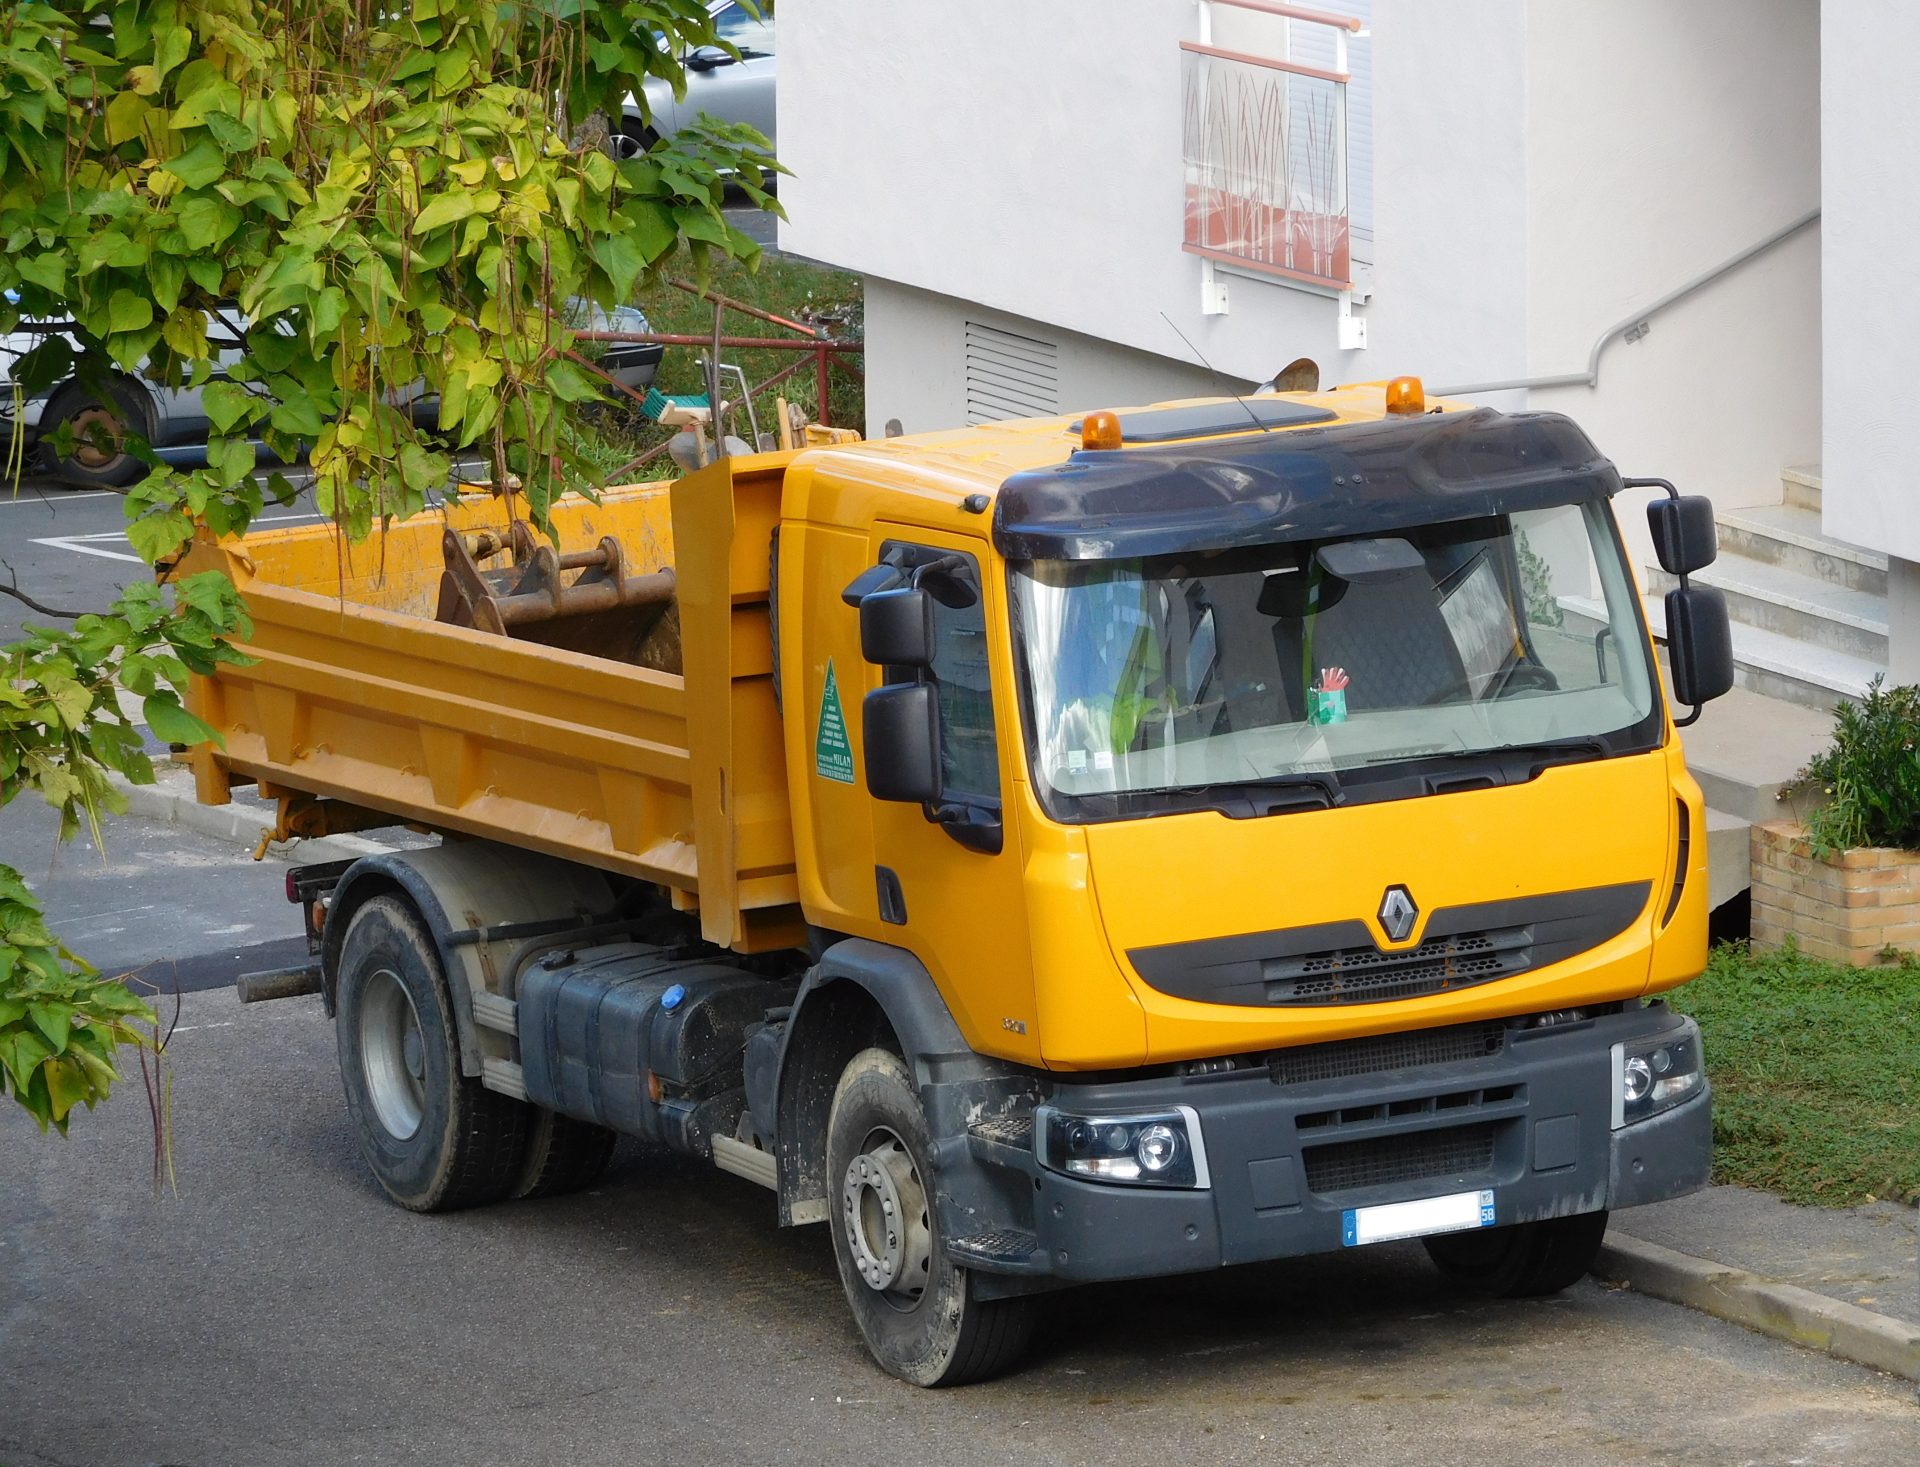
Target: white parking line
91	544
48	501
73	543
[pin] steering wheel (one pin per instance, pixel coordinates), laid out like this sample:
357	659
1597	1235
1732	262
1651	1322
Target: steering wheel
1528	677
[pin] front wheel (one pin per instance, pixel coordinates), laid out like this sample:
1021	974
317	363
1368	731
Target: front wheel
1522	1260
916	1308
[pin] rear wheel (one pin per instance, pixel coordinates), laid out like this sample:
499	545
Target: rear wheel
435	1139
1522	1260
563	1155
916	1308
101	421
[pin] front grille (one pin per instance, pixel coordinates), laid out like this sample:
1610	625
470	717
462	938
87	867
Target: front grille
1383	1161
1345	1058
1368	975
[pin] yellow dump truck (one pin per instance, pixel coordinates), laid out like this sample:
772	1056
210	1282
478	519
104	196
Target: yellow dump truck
1061	850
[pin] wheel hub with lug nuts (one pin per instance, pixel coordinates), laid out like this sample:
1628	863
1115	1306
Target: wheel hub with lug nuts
884	1209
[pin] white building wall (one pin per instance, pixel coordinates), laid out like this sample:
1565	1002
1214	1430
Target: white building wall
916	362
1870	224
1662	140
1541	168
1043	180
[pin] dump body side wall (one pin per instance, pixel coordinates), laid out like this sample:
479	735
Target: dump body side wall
356	694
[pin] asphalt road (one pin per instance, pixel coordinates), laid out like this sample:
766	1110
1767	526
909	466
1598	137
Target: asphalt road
278	1310
165	907
68	548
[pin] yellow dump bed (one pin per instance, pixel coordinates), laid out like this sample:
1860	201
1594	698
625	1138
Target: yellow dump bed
656	752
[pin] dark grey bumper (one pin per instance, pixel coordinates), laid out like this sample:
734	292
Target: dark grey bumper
1531	1123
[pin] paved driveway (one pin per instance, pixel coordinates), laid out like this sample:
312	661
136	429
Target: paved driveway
281	1312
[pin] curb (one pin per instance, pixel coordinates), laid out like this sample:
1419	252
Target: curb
236	824
1784	1311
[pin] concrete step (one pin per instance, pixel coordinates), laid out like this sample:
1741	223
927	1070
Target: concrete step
1766	663
1745	746
1790	537
1801	484
1779	667
1773	598
1729	857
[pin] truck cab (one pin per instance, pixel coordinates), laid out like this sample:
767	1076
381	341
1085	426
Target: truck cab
1245	783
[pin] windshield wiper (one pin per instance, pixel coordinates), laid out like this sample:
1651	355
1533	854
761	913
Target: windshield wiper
1305	789
1506	758
1574	744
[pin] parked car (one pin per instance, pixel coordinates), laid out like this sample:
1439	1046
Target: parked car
724	87
174	421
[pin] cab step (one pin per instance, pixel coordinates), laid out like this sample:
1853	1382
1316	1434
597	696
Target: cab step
1005	1250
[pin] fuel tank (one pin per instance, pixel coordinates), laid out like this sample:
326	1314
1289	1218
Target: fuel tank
643	1040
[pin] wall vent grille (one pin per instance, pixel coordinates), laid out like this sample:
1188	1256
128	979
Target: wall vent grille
1009	375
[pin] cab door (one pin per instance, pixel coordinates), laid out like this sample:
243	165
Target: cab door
947	871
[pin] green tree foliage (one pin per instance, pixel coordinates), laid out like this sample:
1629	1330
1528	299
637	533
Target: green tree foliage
361	194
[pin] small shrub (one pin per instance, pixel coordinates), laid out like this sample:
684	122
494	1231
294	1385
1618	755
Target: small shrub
1870	774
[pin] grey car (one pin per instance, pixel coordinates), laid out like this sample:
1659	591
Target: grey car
724	88
174	420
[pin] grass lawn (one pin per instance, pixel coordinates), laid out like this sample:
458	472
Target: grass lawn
1816	1074
825	299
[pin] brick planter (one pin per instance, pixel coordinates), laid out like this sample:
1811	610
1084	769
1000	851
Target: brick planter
1846	908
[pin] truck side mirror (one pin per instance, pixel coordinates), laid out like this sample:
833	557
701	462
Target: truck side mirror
1683	535
1699	647
896	627
901	737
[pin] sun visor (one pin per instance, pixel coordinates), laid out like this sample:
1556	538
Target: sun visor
1297	484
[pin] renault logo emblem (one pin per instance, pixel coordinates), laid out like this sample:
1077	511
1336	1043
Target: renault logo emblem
1397	914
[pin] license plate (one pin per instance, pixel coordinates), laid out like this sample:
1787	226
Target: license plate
1455	1213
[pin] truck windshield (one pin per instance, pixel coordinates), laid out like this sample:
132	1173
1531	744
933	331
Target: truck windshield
1176	681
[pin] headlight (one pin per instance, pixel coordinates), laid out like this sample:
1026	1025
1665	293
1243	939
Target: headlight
1154	1149
1652	1075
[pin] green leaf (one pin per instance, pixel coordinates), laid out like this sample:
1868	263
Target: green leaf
171	43
233	135
444	209
622	257
21	1052
48	271
128	312
156	536
200	165
568	383
173	724
298	416
66	1087
212	93
228	404
54	1020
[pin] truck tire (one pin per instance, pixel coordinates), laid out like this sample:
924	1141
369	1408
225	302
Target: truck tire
914	1306
434	1139
101	422
1522	1260
563	1154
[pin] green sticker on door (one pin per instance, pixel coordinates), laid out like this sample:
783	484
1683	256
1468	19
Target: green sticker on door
832	754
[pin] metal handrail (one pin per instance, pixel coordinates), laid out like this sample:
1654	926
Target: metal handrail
1591	377
1248	59
1295	12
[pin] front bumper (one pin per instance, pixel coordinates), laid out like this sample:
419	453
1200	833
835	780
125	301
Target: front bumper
1531	1121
